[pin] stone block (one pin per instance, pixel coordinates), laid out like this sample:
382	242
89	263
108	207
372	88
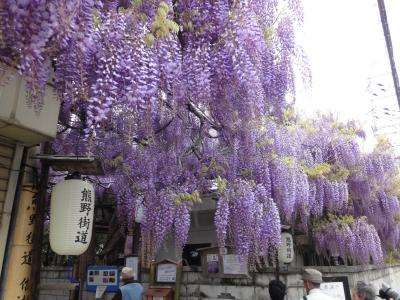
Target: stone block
263	279
242	281
261	293
241	292
294	280
212	291
193	277
294	293
192	290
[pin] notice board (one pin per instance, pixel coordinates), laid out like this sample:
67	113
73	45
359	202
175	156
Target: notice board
102	276
166	272
232	265
336	287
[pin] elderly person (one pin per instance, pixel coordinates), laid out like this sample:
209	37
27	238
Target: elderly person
363	291
129	290
312	280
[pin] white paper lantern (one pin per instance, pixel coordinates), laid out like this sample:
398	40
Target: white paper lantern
71	217
286	251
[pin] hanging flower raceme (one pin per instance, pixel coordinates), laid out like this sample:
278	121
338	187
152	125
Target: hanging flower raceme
269	223
158	218
249	218
377	166
290	188
382	210
33	33
349	238
181	225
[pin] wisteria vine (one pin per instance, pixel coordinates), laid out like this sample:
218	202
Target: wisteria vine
175	95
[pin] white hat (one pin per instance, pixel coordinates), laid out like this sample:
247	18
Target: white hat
127	273
312	275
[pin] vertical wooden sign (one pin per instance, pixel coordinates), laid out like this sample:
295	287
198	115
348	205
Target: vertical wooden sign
19	270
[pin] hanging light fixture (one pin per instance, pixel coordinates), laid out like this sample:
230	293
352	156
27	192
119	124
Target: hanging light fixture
71	216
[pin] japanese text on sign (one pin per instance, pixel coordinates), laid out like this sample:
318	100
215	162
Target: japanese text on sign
166	273
232	264
286	251
334	289
84	220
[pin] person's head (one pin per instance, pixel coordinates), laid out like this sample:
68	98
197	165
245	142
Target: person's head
312	279
127	274
363	291
277	290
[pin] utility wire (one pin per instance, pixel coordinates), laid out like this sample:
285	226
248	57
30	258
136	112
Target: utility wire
389	46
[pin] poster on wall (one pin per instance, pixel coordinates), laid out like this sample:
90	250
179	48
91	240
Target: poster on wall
166	272
212	263
232	265
102	276
336	287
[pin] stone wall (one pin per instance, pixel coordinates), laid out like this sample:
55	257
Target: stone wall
196	287
54	282
55	285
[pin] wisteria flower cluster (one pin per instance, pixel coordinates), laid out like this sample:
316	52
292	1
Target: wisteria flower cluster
349	238
172	95
250	218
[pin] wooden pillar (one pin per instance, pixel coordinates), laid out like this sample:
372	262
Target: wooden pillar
38	231
18	274
178	284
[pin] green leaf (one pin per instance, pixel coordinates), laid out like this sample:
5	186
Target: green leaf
149	39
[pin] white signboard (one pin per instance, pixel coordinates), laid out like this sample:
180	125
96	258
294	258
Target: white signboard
100	289
286	251
133	262
158	298
166	273
334	289
212	257
233	266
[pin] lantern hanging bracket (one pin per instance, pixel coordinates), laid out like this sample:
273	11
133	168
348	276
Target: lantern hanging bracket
74	175
85	165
